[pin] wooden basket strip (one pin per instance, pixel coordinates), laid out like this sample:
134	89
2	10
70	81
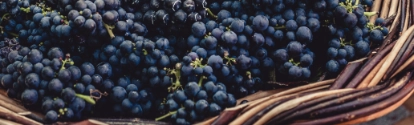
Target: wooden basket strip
375	8
292	103
391	57
379	113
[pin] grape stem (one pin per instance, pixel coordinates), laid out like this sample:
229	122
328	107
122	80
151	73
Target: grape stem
176	72
207	34
344	43
66	60
211	13
13	34
88	99
165	116
64	19
229	59
62	111
348	5
279	27
200	81
228	28
372	26
197	63
293	62
26	10
5	16
109	29
370	14
145	52
249	74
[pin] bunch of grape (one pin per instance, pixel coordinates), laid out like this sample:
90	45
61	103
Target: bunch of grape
257	38
201	96
51	83
351	35
13	6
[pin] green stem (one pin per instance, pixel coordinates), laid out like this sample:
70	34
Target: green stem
62	111
145	52
13	34
228	28
279	27
207	34
165	116
197	63
293	62
200	81
26	10
86	98
176	72
369	14
211	13
249	74
66	60
348	5
109	30
229	59
372	26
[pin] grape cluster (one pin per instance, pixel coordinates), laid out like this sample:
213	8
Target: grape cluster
50	81
351	35
201	95
13	6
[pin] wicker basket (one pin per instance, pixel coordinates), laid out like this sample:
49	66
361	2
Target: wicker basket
290	100
386	68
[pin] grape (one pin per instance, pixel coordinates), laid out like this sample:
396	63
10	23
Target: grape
362	48
350	20
7	80
376	36
294	48
295	72
291	25
201	106
306	60
229	37
314	24
68	94
77	105
198	29
32	80
118	94
260	23
202	94
215	61
29	96
332	52
332	66
172	105
214	109
304	34
55	86
51	116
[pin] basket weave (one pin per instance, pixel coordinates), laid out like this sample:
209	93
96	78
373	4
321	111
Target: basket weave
389	7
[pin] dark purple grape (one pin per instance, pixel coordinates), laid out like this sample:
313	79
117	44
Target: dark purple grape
29	96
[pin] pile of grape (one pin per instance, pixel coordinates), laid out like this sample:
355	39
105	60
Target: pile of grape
182	60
